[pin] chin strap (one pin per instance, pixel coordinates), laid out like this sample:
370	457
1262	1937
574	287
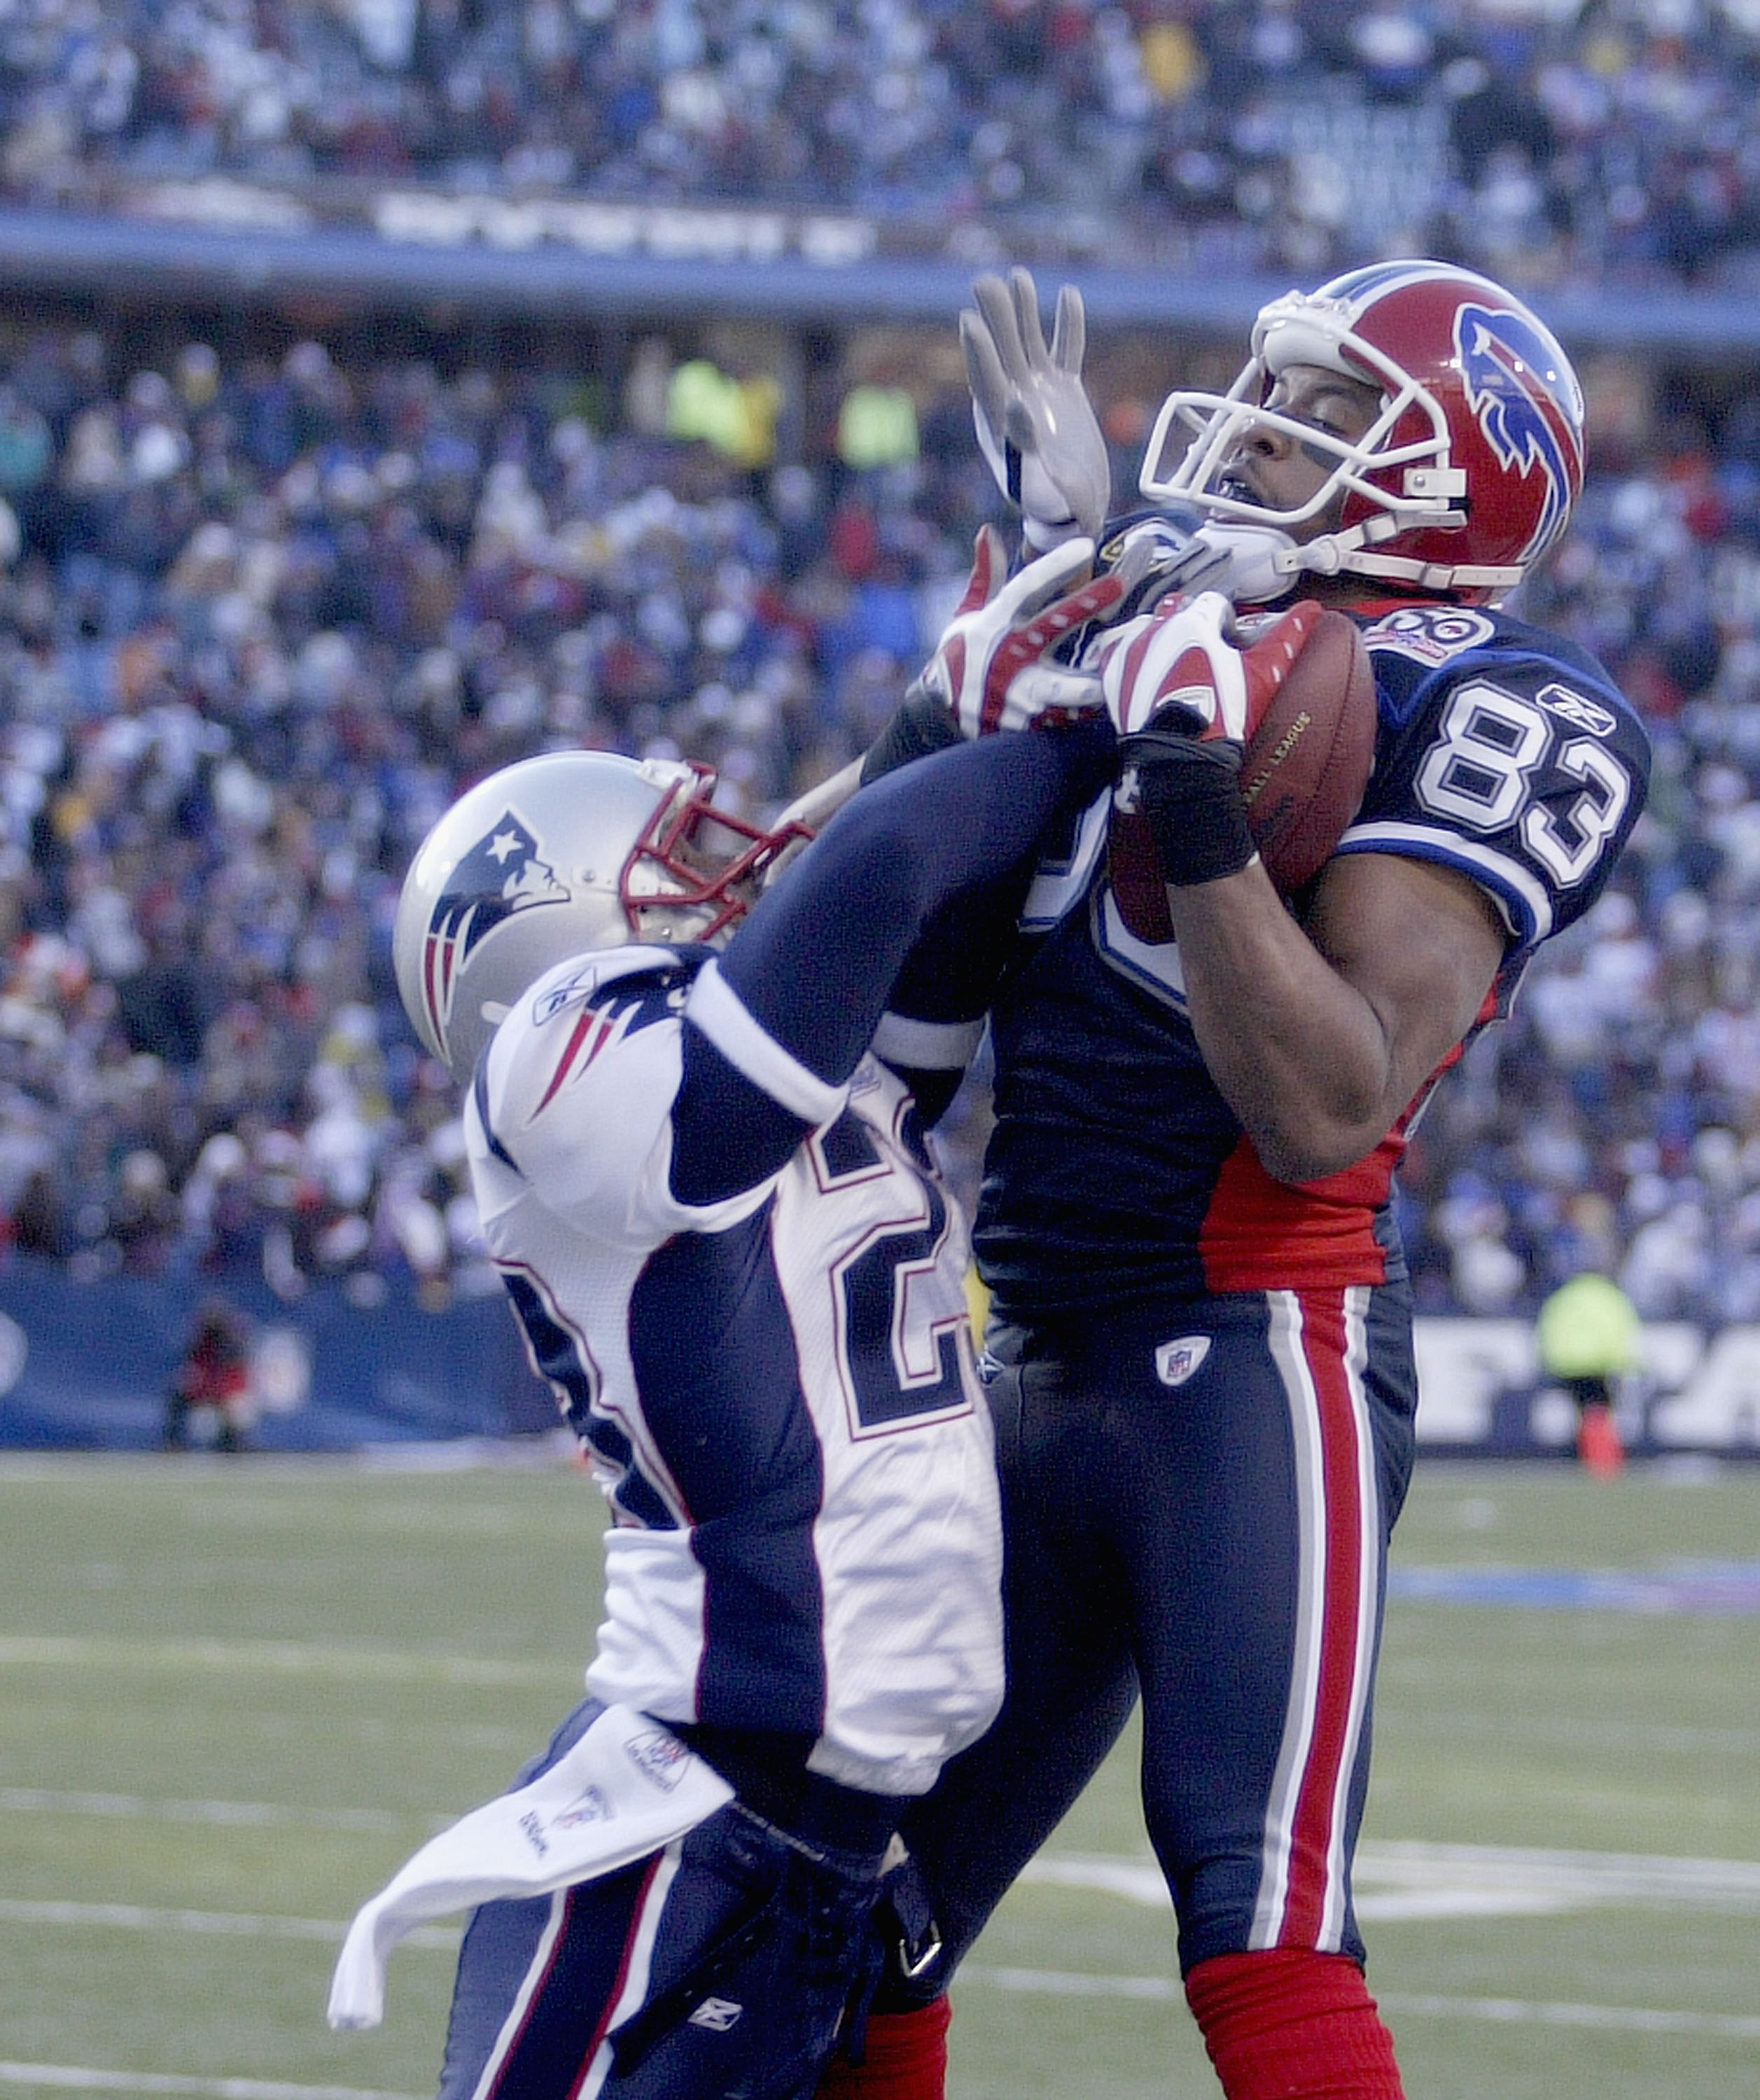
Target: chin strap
1259	564
1347	553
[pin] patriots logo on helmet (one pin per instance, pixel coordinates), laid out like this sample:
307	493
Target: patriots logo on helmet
502	873
1505	359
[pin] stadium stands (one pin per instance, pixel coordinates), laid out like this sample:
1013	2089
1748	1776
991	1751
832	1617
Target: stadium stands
265	616
1550	141
272	587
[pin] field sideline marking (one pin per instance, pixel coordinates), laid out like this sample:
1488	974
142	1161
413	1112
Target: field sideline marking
1399	1881
141	1917
1637	2019
244	1815
1632	2019
72	2075
1716	1588
1414	1880
283	1658
1396	1879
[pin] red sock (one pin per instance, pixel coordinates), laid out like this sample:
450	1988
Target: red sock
1289	2024
904	2057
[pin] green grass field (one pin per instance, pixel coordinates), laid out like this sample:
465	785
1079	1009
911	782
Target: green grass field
236	1695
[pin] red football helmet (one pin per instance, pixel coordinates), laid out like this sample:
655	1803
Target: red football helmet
1467	477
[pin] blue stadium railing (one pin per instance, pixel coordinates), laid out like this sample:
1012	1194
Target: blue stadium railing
662	262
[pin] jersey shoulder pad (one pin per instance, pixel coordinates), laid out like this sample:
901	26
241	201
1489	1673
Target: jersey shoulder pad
575	1093
1503	751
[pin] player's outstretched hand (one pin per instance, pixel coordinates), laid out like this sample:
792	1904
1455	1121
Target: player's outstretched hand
1184	667
1035	424
992	669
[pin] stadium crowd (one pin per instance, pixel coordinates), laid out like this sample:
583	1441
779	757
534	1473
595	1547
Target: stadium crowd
260	618
1585	142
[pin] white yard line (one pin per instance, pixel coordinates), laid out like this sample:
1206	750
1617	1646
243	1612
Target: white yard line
275	1658
1628	2019
1414	1880
246	1814
1395	1880
1714	1884
64	2077
141	1917
1631	2019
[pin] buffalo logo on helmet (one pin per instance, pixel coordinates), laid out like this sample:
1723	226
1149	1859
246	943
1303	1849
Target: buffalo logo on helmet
1512	373
502	873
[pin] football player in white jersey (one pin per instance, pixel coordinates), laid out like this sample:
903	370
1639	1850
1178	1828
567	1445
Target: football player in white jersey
702	1172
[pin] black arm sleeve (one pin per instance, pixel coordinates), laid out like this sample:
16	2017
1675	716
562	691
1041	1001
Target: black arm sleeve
920	725
951	977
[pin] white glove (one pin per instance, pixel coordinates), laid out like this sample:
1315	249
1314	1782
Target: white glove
1035	424
1178	667
991	668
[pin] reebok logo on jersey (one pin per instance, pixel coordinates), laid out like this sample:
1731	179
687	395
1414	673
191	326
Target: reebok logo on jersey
1175	1361
1578	710
717	2015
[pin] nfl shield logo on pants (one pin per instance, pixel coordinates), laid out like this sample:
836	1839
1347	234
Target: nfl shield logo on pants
1175	1361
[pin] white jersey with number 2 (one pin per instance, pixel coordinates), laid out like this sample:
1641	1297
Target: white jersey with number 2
776	1390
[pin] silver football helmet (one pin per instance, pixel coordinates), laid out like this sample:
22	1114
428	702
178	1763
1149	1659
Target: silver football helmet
553	856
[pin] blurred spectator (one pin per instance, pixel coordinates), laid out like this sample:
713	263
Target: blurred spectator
263	612
299	604
1551	144
211	1405
277	609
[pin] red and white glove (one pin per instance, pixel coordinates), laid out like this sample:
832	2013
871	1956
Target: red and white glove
1182	667
992	668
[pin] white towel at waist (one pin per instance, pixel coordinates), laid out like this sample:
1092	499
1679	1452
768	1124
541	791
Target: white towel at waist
626	1788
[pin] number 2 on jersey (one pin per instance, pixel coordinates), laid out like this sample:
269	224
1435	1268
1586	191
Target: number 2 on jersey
900	1346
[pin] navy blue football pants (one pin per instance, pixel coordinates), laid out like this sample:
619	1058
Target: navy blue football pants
721	1968
1197	1511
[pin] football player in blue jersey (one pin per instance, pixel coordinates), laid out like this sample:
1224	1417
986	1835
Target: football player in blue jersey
705	1181
1200	1355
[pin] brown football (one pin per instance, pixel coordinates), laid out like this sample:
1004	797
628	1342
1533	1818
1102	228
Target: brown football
1308	757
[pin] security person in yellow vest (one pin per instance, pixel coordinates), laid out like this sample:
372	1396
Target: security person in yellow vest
1588	1335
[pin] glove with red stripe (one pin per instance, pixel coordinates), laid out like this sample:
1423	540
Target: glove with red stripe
992	669
1184	700
1184	667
